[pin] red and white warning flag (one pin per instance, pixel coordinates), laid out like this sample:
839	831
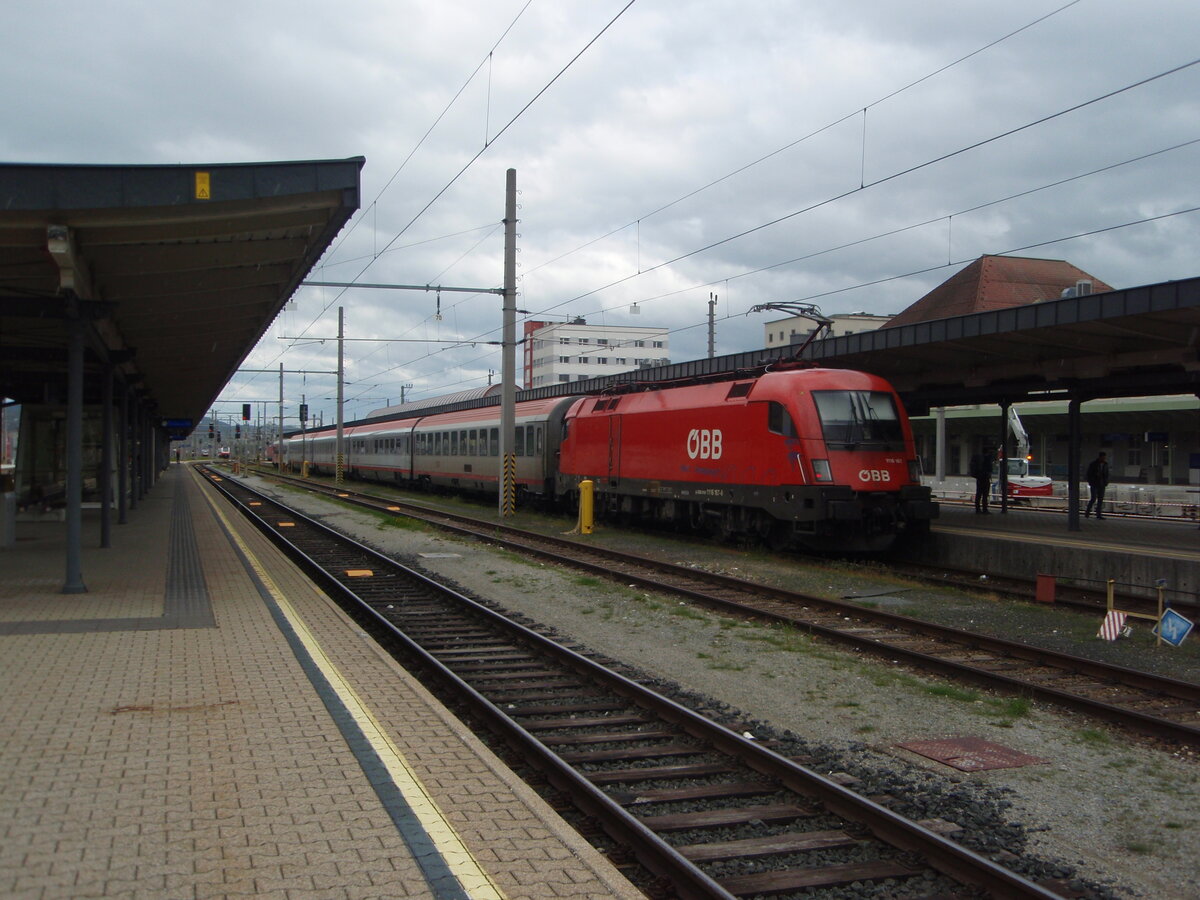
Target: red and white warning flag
1113	623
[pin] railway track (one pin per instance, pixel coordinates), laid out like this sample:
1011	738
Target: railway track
1067	595
1161	707
707	811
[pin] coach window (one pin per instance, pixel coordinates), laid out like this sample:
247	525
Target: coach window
494	449
539	438
531	448
454	443
462	442
779	420
519	442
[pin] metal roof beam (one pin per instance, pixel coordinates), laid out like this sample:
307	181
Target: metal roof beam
73	274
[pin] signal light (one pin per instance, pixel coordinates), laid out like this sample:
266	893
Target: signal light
237	431
210	430
245	412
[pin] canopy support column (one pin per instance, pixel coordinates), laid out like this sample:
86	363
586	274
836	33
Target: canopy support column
74	575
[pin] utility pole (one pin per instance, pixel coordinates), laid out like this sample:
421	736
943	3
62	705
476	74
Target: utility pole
341	395
508	369
509	351
712	306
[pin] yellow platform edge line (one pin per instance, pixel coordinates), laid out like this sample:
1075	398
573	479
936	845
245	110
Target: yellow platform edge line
470	874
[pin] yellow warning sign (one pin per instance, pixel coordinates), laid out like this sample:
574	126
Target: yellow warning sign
203	185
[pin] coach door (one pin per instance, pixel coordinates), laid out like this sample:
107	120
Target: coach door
614	449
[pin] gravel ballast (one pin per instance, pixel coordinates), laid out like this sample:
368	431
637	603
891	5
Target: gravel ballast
1105	806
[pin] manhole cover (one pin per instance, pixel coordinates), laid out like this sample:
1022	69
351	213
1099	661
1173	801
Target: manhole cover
970	754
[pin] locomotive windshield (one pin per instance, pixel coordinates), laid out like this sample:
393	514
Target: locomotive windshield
851	419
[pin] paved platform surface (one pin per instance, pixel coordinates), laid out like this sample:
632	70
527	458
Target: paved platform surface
204	723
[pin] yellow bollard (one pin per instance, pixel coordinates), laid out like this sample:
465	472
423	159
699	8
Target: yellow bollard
304	469
587	503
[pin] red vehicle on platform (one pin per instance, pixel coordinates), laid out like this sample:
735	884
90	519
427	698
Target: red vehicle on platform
791	454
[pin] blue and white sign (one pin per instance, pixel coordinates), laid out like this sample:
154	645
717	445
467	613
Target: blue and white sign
1173	627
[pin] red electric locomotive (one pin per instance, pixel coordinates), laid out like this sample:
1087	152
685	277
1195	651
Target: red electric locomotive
819	457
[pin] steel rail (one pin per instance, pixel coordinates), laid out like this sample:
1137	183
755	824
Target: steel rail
569	553
659	857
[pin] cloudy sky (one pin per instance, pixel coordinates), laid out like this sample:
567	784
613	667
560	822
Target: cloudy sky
848	154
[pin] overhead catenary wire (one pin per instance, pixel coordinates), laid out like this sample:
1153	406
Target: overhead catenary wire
897	175
975	145
806	137
473	159
909	170
858	285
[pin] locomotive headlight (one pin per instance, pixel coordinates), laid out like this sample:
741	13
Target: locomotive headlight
821	470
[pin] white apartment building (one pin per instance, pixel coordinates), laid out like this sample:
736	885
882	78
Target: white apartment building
784	332
559	352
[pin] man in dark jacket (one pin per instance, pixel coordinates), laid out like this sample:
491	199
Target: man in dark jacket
1097	479
980	469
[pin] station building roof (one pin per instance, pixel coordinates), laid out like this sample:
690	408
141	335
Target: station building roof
177	269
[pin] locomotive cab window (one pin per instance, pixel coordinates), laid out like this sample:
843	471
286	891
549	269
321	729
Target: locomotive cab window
779	420
851	419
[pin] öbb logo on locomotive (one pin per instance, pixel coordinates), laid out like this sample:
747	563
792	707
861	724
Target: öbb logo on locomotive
881	475
704	443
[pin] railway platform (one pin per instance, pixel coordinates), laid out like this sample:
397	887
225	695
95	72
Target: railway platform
1136	552
203	722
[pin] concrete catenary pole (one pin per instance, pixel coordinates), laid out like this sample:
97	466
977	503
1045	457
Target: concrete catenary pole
508	369
341	393
279	446
712	325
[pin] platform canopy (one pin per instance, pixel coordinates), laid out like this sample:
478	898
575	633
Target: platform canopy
177	270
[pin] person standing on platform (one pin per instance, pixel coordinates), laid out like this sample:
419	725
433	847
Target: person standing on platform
1097	479
981	470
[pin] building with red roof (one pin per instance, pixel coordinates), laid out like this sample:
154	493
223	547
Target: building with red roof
998	282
